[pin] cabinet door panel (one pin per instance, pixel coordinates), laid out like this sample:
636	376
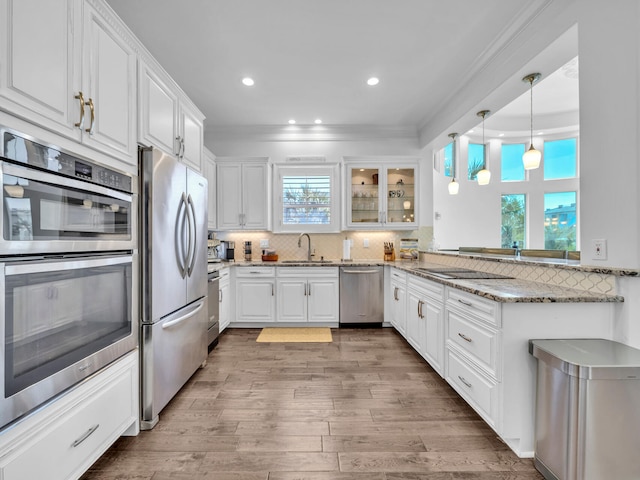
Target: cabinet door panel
39	55
192	136
415	324
434	335
229	194
292	300
255	201
158	112
323	305
255	300
109	76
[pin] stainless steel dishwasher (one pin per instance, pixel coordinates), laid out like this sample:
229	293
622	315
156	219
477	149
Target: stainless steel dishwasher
361	296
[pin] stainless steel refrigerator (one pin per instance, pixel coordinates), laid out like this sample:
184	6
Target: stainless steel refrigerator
173	219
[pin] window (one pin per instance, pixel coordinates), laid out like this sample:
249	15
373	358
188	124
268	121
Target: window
307	199
474	160
511	160
448	160
514	220
560	221
560	159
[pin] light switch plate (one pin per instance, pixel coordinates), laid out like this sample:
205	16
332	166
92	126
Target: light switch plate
264	243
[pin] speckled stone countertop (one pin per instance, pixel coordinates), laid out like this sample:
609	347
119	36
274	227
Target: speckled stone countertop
512	290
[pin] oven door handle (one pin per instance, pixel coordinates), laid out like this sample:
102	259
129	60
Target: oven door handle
38	176
71	263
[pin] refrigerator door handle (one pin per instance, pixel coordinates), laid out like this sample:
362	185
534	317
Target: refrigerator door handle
179	240
193	235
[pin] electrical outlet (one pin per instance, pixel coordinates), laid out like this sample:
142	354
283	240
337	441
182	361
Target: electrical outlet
264	243
365	242
599	249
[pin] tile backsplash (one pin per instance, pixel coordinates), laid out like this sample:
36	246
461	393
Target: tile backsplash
327	245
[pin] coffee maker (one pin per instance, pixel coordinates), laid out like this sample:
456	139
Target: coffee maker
226	250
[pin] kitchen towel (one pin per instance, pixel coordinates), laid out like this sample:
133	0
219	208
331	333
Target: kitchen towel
346	249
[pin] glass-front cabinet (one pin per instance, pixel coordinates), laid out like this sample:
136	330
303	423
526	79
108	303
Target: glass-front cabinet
381	194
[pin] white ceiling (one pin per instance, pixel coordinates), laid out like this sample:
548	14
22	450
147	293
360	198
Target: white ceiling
311	58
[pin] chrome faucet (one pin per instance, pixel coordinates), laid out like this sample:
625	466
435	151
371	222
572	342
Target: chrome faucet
308	245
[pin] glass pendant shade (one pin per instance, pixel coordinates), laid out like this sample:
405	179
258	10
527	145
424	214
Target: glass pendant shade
484	177
531	158
453	187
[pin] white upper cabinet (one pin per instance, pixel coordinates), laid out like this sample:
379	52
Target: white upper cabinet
68	68
242	194
168	120
381	194
210	174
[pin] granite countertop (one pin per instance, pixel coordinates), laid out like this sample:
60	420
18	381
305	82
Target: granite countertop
512	290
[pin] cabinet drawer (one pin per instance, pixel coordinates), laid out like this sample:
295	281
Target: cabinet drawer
426	287
479	391
252	272
398	275
311	272
475	340
80	436
475	306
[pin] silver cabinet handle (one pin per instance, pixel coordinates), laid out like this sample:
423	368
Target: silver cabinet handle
467	384
360	271
219	296
468	304
181	147
85	435
80	99
420	304
464	337
272	290
178	147
395	294
92	109
309	287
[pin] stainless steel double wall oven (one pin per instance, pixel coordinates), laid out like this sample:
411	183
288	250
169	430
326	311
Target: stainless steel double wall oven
68	271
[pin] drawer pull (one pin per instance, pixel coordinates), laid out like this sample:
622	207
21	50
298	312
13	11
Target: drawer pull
468	304
85	435
395	294
464	337
467	384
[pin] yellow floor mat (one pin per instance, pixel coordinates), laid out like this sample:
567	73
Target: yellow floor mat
295	335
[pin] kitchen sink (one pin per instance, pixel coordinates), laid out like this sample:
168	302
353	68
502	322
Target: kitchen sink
460	273
307	261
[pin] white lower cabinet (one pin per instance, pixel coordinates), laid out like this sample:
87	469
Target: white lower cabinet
308	294
425	330
255	294
224	297
397	300
481	347
62	440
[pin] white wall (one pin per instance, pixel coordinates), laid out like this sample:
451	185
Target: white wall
609	48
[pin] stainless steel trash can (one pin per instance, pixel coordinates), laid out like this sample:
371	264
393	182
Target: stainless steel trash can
587	424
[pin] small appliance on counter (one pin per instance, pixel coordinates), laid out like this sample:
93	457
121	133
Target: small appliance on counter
226	250
212	251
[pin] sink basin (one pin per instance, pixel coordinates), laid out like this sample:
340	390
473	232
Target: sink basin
460	273
307	261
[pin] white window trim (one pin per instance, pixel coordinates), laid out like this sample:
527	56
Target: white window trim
281	171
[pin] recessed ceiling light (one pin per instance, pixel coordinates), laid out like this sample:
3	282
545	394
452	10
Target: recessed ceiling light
373	81
248	81
292	122
470	131
317	121
540	133
501	134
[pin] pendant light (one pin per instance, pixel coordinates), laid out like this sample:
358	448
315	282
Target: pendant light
453	185
484	175
531	158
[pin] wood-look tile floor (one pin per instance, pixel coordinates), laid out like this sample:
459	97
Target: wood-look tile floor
365	407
